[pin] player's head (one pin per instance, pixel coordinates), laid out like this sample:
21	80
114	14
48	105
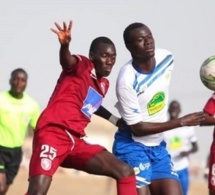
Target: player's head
139	41
18	82
103	55
174	109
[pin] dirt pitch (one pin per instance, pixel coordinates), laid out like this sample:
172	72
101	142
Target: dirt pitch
71	182
84	184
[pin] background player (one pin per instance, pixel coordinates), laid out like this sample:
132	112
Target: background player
209	109
181	142
18	112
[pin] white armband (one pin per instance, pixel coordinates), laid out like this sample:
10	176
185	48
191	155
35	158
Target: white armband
113	119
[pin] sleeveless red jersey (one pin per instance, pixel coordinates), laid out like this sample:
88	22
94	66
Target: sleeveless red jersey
77	95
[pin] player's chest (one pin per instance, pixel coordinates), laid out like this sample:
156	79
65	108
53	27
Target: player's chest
14	107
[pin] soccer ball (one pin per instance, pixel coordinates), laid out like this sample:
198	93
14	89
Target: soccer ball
207	73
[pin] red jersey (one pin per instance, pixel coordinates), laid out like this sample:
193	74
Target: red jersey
77	95
210	109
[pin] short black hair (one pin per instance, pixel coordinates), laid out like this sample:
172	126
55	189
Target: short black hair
17	70
97	41
172	103
129	28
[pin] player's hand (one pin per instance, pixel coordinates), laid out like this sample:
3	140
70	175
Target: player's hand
192	119
64	34
121	124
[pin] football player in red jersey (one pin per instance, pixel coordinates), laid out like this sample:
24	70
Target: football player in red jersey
59	135
209	109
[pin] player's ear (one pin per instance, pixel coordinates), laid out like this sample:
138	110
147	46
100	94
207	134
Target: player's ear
10	81
91	55
128	46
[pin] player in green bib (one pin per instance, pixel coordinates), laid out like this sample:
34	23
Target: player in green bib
18	112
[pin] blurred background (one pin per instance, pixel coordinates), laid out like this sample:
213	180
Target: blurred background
183	27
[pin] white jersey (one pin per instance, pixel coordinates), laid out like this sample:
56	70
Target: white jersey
179	140
144	97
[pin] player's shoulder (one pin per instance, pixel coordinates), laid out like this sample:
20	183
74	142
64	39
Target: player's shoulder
30	100
164	57
4	95
163	53
126	70
126	66
80	57
83	61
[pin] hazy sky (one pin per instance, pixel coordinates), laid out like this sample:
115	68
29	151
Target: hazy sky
184	27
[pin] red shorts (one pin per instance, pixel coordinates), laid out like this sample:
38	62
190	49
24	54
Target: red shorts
211	178
54	147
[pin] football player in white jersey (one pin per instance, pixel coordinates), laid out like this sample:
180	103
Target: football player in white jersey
181	142
142	92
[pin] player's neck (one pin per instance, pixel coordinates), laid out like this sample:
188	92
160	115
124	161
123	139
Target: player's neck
146	65
16	95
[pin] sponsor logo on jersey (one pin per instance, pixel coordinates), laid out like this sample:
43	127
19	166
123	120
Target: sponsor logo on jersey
92	102
156	103
175	143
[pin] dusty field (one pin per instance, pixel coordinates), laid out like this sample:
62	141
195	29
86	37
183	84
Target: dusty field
71	182
83	184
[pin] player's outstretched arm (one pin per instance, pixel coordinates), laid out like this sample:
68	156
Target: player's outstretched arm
209	120
64	36
192	119
146	128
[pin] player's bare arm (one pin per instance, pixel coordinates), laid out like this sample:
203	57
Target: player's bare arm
145	128
194	148
209	120
64	36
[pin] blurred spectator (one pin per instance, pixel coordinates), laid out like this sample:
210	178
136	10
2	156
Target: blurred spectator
18	111
181	142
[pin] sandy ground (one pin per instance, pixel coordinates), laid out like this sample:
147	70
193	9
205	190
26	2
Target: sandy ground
78	183
72	182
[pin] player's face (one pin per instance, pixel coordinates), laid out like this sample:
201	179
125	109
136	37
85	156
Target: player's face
18	83
141	43
174	110
104	59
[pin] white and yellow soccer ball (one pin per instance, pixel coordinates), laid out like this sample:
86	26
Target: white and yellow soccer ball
207	73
